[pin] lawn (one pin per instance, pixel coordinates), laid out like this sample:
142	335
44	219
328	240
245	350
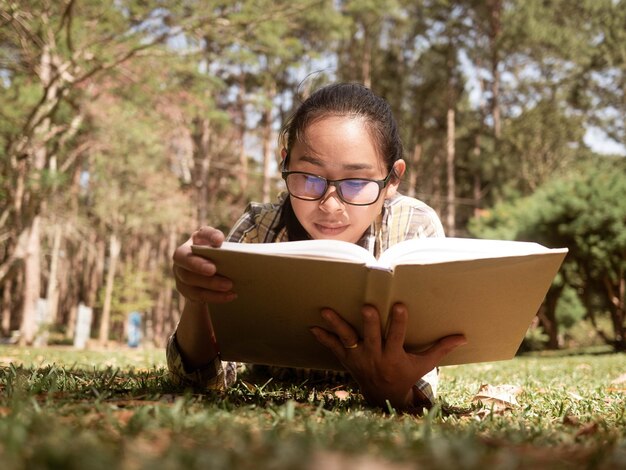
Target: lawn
116	409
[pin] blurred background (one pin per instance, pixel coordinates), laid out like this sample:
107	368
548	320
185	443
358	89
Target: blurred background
125	125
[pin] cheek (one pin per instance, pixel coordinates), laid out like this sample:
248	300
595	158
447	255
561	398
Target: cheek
301	209
363	216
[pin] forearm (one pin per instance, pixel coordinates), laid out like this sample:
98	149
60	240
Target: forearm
194	335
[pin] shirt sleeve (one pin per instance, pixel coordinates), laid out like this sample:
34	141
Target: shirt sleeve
427	387
256	225
216	375
414	219
245	227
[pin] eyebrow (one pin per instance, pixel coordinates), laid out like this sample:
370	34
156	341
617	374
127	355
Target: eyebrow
347	166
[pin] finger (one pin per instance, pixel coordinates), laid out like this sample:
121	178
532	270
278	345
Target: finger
442	348
208	236
215	282
372	334
397	328
340	327
330	341
185	259
204	295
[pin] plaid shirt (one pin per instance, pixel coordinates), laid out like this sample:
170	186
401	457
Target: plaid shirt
402	218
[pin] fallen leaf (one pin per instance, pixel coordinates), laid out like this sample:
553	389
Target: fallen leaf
496	398
250	387
504	394
342	394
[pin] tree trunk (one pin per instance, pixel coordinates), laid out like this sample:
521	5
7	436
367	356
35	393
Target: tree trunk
477	183
68	285
105	319
366	63
495	23
70	331
169	316
243	158
7	300
32	279
451	180
267	145
617	299
547	317
436	181
414	170
202	166
52	292
97	255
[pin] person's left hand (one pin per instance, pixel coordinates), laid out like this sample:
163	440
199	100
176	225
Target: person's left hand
381	366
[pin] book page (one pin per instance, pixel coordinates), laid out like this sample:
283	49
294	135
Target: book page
491	301
444	250
278	299
317	249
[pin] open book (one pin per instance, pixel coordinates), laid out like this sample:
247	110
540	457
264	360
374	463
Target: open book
488	290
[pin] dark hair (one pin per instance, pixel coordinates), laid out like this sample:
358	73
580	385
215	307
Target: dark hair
347	99
341	99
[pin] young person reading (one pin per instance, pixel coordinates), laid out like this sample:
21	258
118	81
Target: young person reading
342	164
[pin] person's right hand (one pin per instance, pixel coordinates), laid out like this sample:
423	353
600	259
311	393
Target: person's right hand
196	277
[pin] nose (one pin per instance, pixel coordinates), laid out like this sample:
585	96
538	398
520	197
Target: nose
331	201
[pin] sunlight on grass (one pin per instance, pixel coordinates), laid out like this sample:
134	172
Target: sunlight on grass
118	410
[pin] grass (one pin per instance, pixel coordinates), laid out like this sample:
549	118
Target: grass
116	409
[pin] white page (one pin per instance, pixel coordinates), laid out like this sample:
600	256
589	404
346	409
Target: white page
331	249
442	250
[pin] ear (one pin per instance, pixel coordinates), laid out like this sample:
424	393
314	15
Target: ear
399	168
283	153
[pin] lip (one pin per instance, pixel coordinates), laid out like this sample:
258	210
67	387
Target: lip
330	229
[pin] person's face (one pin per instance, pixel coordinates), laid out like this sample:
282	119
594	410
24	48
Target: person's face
339	147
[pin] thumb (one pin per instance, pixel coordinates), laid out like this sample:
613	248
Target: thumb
442	348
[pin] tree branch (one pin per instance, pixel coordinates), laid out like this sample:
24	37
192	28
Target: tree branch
66	20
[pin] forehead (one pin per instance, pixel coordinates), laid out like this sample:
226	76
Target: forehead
339	141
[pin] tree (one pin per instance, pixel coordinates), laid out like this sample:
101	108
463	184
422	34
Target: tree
134	196
584	211
599	87
49	61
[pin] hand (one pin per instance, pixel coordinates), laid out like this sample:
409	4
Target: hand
196	277
382	367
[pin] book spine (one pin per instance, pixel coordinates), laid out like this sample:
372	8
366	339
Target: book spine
378	292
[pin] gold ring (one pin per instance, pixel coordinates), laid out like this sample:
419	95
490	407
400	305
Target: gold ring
353	346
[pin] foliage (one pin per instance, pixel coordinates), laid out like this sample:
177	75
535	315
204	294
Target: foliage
144	120
132	292
541	144
585	212
118	410
570	310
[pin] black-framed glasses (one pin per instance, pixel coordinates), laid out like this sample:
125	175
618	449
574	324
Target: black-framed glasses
354	191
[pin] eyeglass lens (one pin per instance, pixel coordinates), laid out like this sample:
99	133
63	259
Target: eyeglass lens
353	191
